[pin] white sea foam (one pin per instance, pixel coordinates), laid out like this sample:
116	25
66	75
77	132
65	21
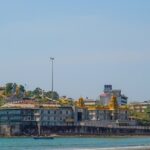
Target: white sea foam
115	148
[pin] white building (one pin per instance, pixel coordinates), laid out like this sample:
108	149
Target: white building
108	92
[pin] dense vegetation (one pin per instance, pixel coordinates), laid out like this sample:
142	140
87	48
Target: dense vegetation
143	118
11	90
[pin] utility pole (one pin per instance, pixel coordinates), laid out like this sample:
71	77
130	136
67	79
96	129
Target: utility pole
52	59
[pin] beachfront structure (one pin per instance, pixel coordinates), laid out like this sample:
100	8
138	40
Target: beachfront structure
57	116
18	118
108	92
28	117
111	112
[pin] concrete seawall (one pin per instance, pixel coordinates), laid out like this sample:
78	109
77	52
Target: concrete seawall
72	130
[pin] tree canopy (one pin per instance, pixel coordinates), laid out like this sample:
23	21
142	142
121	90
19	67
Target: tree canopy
13	89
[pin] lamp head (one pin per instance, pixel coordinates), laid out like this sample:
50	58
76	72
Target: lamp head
51	58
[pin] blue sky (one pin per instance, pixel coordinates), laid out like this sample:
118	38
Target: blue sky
94	42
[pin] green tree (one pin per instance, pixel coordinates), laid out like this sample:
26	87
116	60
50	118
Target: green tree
147	111
37	92
29	94
2	101
9	88
14	87
20	91
21	88
49	95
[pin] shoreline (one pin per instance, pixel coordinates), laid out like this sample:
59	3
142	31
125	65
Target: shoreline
80	136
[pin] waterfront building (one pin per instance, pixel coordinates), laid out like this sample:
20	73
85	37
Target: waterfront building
10	120
57	116
30	117
112	112
94	114
20	117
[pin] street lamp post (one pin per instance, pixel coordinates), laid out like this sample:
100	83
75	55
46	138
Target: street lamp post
52	59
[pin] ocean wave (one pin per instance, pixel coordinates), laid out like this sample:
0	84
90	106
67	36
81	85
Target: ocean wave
106	148
114	148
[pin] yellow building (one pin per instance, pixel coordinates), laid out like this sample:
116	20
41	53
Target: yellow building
112	112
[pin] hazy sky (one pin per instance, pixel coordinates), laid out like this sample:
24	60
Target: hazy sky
94	42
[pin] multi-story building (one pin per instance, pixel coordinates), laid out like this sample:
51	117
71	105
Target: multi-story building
108	92
139	107
10	120
60	116
104	99
19	118
94	114
30	118
111	112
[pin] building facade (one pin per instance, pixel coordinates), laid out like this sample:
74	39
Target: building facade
31	119
139	107
108	92
15	121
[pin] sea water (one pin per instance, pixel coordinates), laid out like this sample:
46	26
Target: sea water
77	143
